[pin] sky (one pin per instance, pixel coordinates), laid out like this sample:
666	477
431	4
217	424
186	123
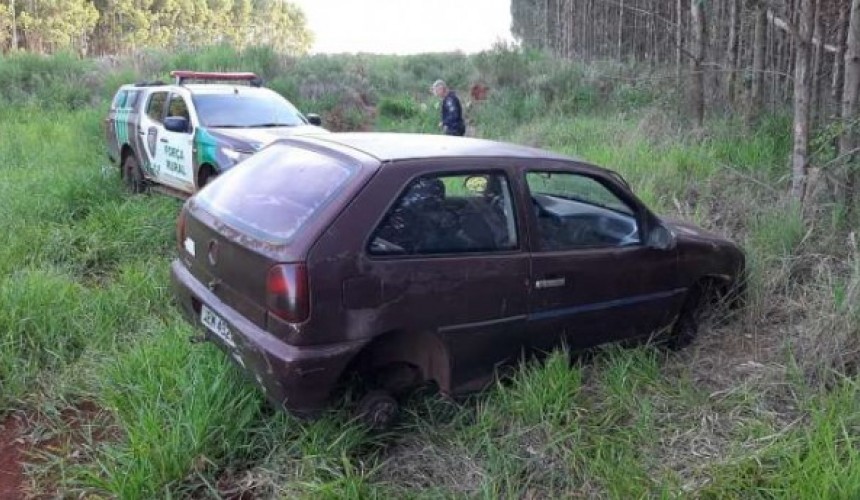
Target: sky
406	26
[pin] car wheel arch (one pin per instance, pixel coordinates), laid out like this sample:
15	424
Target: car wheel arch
425	352
717	284
125	151
704	294
204	172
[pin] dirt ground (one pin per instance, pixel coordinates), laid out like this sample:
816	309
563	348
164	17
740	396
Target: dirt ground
12	450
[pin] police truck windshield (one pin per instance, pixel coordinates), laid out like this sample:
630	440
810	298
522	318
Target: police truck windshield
245	110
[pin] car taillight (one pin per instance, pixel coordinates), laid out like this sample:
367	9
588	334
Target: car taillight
287	294
180	229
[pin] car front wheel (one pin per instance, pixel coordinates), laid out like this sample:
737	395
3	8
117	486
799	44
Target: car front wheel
697	309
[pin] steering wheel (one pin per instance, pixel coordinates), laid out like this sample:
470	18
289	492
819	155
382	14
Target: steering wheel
623	238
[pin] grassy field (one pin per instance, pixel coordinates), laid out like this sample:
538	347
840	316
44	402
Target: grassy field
112	400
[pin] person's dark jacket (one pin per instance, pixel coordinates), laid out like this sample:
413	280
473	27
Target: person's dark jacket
452	115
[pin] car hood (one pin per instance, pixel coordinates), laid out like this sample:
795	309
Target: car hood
252	139
685	230
692	236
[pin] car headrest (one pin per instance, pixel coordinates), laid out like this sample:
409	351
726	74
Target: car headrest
424	190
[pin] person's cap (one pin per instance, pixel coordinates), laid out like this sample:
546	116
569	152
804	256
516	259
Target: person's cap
438	83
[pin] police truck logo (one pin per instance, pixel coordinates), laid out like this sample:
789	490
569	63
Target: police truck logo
151	137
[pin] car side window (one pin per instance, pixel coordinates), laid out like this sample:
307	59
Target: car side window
444	214
119	99
177	107
131	100
155	106
576	211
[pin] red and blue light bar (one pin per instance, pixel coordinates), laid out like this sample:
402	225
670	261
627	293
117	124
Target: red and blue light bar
182	76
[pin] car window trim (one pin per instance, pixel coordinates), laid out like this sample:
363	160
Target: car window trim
520	248
187	108
160	119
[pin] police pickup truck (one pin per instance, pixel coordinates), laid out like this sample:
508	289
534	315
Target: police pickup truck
178	137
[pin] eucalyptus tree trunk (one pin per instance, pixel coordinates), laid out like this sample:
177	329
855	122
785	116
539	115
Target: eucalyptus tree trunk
838	82
679	39
732	49
802	98
759	52
848	142
697	86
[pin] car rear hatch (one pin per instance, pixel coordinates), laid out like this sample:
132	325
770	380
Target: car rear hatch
245	235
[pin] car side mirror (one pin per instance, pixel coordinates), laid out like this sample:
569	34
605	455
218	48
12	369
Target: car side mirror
314	119
176	124
661	238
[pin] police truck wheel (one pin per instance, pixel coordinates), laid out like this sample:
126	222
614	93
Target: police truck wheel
207	175
133	176
377	409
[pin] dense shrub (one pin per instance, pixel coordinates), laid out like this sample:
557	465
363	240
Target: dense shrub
398	107
58	81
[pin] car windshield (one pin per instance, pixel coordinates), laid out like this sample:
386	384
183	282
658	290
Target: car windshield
246	110
274	193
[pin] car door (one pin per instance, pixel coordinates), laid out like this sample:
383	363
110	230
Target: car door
449	260
176	147
593	279
150	131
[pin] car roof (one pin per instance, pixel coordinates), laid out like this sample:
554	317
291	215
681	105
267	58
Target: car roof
389	147
200	88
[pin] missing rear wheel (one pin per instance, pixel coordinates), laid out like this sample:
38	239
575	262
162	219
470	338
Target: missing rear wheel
377	409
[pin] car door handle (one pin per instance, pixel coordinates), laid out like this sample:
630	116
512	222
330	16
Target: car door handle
163	140
550	283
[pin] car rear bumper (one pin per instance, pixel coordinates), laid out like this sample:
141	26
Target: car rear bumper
296	378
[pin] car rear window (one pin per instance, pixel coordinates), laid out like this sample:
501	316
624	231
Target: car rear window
271	195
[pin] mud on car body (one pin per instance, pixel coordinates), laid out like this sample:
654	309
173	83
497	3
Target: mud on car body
181	136
411	259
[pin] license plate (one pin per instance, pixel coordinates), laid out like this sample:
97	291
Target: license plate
216	325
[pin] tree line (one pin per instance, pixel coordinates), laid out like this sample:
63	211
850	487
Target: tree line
98	27
746	56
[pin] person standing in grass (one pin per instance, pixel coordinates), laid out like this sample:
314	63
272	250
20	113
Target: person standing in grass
452	112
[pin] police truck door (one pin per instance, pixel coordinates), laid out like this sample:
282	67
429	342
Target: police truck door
150	132
177	148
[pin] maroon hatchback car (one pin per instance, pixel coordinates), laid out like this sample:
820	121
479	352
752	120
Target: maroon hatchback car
413	258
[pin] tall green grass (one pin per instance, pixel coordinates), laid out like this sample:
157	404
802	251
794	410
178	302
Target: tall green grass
58	82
